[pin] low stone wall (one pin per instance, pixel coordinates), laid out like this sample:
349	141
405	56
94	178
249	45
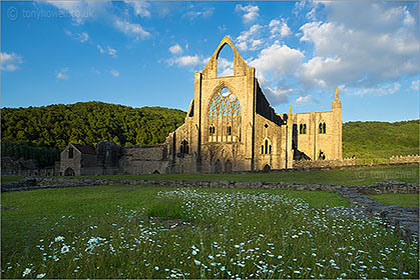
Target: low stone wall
48	182
387	187
303	164
404	159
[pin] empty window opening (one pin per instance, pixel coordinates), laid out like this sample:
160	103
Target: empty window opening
229	130
184	147
302	129
70	152
225	62
212	130
324	128
266	147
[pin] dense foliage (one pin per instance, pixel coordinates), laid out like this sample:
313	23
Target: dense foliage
88	123
43	155
380	139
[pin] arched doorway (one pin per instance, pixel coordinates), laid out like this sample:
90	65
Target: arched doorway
218	167
69	172
266	168
228	166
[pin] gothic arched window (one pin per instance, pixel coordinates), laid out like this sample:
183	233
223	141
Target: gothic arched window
224	117
266	147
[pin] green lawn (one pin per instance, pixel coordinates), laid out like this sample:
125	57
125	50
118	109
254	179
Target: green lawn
347	176
150	232
400	199
5	179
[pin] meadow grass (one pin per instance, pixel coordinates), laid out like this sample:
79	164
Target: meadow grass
149	232
346	176
400	199
5	179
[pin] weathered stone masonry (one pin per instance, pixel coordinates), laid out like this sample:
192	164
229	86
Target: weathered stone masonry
230	127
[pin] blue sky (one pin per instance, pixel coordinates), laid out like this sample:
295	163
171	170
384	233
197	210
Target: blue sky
140	53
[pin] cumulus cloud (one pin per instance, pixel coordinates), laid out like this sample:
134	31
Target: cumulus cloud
107	50
280	60
224	67
132	29
250	39
141	8
186	61
415	85
250	13
10	61
115	73
80	11
278	95
359	49
62	75
176	49
303	99
279	28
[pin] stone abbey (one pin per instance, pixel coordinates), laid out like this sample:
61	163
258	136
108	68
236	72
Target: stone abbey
230	126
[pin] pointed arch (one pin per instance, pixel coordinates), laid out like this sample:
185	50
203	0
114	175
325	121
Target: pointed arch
239	65
225	58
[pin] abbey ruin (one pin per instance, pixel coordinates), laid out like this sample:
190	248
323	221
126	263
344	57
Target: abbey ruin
230	126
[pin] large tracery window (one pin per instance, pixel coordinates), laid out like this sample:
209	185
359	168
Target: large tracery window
224	117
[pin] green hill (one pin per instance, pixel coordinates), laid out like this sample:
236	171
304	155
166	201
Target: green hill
88	123
380	140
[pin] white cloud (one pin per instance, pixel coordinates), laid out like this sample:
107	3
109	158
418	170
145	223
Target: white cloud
79	11
115	73
303	99
81	37
250	39
224	67
205	13
187	60
278	60
415	85
10	61
381	90
250	13
62	75
132	29
141	8
358	49
176	49
278	95
278	28
108	50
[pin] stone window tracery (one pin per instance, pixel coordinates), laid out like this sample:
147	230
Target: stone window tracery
266	147
224	117
322	128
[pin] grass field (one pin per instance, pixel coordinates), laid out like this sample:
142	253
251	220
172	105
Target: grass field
347	176
400	199
145	232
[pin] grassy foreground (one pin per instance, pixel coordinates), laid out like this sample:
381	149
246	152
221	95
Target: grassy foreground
144	232
347	176
5	179
400	199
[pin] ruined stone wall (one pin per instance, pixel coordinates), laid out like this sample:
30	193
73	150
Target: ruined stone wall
302	164
73	163
144	159
404	159
276	136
